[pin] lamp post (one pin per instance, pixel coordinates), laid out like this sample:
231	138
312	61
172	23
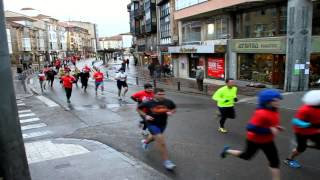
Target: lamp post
13	160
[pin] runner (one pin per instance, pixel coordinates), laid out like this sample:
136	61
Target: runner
84	77
61	74
76	74
50	76
68	81
98	76
306	126
42	78
226	96
157	114
143	96
121	78
58	64
261	130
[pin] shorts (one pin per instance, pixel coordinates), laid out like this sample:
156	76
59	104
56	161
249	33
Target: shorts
303	139
99	84
227	112
121	84
155	130
269	149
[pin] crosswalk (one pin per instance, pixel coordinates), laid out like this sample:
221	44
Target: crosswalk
31	125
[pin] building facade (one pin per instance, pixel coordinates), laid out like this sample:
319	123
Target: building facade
143	26
249	41
113	42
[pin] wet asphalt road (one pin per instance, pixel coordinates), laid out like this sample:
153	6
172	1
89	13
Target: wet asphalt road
193	141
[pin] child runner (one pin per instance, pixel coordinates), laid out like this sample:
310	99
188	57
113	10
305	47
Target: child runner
156	116
306	126
42	78
261	130
143	96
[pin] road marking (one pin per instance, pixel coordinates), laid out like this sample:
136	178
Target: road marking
26	115
21	104
29	120
47	150
33	126
24	111
36	134
47	101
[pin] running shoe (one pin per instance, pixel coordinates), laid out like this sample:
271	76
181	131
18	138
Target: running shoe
144	144
222	130
292	163
223	154
169	165
68	101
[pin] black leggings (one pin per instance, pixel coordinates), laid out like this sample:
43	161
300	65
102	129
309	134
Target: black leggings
144	123
269	149
68	92
302	141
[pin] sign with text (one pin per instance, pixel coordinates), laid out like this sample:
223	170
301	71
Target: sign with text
216	67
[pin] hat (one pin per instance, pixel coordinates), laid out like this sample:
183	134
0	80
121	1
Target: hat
268	95
312	98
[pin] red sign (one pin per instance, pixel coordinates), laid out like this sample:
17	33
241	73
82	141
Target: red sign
216	68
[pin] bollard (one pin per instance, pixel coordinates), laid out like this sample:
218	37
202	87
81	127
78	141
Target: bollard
154	83
206	89
179	85
137	81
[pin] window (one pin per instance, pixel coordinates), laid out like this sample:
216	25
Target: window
180	4
316	19
217	28
191	31
267	22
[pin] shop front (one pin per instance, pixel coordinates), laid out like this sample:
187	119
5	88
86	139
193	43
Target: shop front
314	76
260	60
208	57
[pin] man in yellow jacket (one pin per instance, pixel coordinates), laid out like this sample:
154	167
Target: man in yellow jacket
226	97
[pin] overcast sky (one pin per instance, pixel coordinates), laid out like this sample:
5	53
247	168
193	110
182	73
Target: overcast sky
110	15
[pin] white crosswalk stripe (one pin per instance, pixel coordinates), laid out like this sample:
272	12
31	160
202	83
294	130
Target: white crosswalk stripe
29	120
36	134
24	111
26	115
33	126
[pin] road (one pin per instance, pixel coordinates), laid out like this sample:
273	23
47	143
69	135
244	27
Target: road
193	141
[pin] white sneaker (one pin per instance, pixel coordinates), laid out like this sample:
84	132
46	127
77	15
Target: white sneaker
120	98
169	165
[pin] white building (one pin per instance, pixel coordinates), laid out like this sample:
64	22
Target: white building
113	42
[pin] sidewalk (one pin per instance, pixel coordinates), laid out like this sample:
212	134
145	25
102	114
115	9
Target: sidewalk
75	159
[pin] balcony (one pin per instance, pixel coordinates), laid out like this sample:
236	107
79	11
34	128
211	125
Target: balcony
138	13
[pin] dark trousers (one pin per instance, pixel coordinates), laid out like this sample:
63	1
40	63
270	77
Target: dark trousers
68	92
200	84
269	149
226	112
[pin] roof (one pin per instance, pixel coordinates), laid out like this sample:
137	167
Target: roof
14	16
112	38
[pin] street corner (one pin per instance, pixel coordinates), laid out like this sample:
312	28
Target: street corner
61	158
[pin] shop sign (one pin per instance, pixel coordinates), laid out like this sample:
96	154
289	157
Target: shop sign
216	68
191	49
163	49
260	45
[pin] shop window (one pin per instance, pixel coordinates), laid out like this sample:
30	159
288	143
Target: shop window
263	68
314	70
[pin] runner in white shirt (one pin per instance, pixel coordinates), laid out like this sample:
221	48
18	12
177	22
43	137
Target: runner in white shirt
121	78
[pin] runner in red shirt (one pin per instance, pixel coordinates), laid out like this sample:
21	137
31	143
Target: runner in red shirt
58	64
98	76
67	81
306	126
261	130
143	96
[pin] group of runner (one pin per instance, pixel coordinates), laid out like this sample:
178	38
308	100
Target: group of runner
154	109
264	125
